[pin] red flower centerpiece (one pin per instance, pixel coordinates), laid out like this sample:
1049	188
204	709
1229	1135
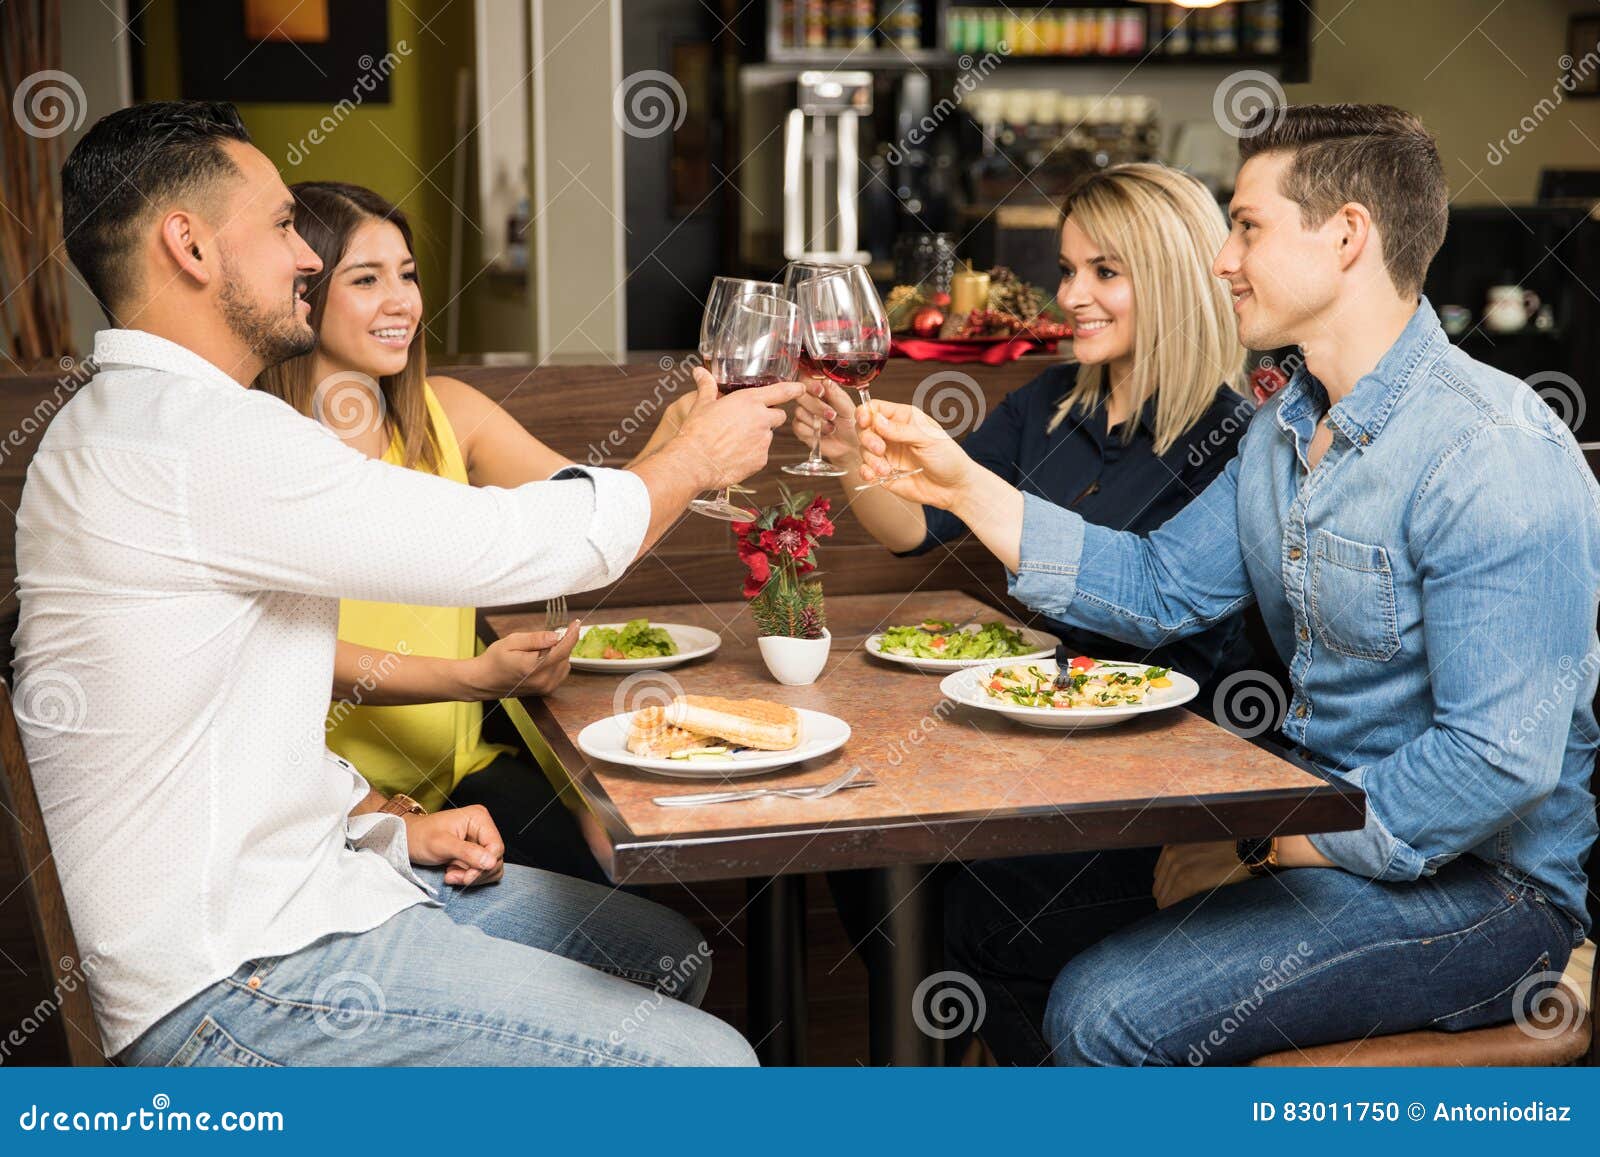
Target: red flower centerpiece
777	549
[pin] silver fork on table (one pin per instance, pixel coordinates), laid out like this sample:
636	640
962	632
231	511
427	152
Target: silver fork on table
821	791
555	613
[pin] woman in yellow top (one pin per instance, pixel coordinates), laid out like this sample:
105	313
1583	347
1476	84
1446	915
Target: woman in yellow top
409	684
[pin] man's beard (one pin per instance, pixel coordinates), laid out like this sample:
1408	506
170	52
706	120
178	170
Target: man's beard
273	335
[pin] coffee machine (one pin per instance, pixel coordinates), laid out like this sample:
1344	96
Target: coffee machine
822	169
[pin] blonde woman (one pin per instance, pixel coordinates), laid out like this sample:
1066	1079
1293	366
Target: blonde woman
1148	416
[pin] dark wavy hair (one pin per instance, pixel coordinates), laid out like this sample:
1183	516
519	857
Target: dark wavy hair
327	215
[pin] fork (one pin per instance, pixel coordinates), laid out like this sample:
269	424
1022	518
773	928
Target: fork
555	613
821	791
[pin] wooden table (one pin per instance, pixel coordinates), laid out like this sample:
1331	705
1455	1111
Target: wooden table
954	784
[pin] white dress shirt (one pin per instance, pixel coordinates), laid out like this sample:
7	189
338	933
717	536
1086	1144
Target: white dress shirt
182	545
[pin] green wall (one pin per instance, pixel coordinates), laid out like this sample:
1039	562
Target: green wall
400	148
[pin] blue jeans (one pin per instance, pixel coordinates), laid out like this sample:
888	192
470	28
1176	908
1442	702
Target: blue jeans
1303	957
538	969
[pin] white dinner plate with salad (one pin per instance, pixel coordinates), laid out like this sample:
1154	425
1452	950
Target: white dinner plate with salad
936	646
640	645
1100	695
820	734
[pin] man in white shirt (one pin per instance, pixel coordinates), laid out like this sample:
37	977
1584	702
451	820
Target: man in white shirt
183	542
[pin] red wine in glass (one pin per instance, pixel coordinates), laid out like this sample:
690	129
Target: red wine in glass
746	382
855	371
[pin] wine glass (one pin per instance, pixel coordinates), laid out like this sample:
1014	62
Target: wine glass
724	292
815	465
846	334
755	344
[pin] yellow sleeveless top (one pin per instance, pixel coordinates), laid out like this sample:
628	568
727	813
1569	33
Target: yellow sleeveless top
421	749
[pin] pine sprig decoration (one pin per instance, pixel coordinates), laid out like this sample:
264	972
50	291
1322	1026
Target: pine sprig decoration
778	549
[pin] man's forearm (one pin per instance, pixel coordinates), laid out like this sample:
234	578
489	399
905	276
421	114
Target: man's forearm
371	802
673	475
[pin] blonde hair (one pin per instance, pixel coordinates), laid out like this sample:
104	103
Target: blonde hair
1164	228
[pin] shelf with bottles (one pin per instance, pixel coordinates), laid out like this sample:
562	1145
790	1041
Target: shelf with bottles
1268	33
856	33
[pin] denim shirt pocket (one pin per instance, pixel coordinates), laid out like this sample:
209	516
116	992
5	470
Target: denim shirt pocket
1352	597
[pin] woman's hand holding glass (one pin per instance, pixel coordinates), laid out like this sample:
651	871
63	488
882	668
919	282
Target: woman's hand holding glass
895	437
825	416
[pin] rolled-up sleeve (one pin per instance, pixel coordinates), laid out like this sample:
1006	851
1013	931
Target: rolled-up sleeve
621	511
1177	581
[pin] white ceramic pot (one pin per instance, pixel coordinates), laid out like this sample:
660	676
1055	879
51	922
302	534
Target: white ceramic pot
795	662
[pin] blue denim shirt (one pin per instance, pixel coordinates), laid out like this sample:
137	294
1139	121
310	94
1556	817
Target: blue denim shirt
1431	586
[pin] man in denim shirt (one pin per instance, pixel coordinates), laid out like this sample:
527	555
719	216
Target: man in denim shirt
1421	535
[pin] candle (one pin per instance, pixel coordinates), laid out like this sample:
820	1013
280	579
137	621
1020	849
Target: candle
969	290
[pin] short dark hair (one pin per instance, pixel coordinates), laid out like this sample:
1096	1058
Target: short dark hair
131	163
1375	154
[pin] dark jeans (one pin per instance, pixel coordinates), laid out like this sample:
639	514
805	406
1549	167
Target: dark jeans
538	829
1302	957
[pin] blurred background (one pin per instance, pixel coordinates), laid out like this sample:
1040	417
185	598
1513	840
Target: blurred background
578	169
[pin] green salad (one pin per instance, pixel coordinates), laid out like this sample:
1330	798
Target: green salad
935	639
636	640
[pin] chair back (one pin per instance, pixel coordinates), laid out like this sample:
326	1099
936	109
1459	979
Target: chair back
71	1017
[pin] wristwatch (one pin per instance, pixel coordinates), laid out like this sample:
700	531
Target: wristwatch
1258	856
403	805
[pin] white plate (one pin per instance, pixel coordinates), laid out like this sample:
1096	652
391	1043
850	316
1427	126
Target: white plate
820	734
693	642
1045	648
967	688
